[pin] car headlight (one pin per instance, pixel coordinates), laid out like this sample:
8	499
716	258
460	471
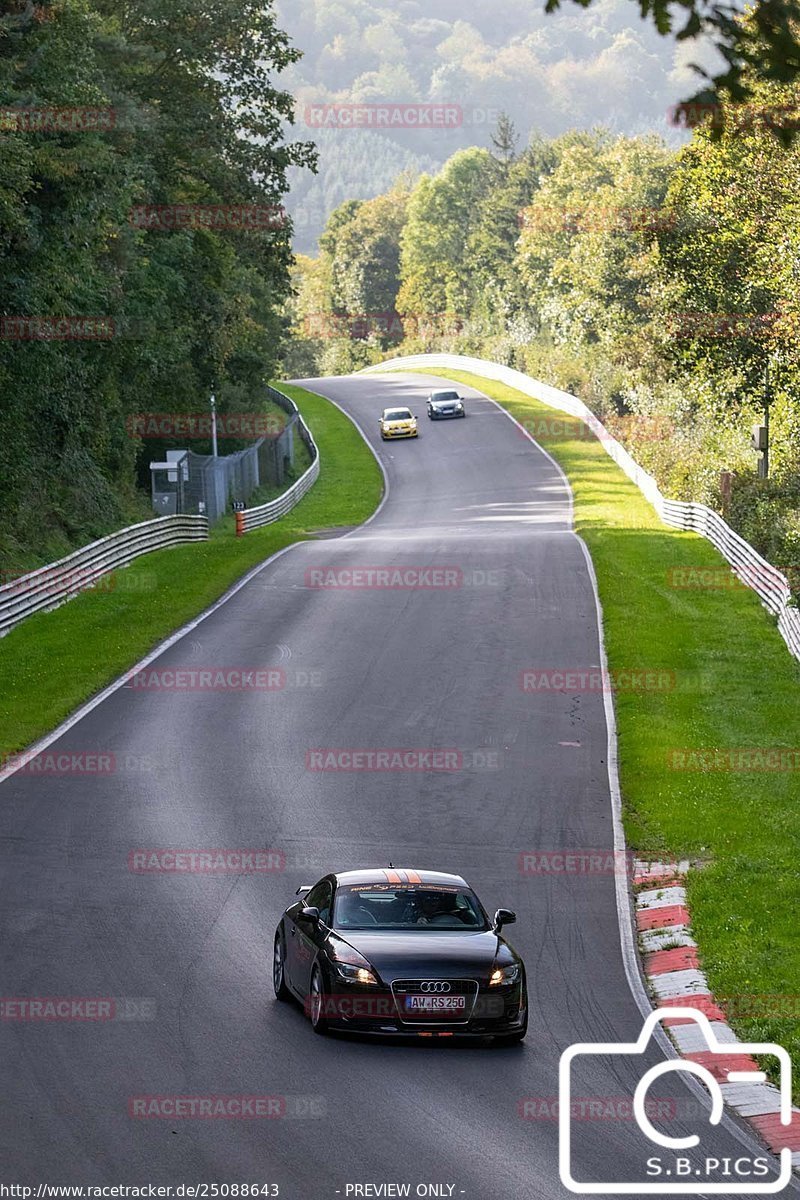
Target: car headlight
352	967
355	974
459	404
504	975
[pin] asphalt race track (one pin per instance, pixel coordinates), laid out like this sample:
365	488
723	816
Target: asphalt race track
188	956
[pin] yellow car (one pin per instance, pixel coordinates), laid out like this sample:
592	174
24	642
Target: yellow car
398	423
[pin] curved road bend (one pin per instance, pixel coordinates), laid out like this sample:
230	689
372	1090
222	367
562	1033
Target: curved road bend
426	667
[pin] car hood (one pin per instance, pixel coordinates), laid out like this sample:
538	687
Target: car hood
399	955
398	420
444	403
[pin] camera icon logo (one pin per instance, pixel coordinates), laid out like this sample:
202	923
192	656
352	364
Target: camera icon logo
686	1186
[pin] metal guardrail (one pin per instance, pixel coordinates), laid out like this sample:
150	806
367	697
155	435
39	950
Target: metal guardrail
52	585
265	514
49	586
753	571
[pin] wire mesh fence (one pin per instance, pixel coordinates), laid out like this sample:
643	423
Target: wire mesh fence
213	485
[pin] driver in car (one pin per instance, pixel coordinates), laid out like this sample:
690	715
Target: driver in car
436	908
353	911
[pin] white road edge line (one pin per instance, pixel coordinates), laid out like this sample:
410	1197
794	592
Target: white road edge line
625	915
370	447
629	955
89	705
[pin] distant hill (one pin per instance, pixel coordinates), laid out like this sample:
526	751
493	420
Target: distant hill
573	69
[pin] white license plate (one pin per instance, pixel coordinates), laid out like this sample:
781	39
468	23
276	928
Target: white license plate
436	1003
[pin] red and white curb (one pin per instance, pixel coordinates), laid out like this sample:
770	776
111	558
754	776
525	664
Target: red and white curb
676	980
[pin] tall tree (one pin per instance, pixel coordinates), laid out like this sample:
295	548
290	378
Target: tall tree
505	138
192	117
442	213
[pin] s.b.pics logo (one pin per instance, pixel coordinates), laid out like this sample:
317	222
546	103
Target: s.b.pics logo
676	1162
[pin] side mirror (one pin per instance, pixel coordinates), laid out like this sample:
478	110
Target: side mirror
503	916
310	914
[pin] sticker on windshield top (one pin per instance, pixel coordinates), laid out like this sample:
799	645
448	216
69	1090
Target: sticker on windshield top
398	887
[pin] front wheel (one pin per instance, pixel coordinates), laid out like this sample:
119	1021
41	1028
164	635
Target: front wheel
319	1022
279	970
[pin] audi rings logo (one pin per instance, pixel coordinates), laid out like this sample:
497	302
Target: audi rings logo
434	985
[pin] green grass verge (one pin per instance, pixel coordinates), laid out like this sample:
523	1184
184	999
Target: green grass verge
736	685
54	661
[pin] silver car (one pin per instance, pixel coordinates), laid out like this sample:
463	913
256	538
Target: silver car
445	404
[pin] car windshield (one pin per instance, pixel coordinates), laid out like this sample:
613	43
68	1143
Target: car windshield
396	414
438	397
426	907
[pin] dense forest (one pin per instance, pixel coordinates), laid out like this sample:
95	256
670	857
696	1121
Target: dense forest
659	285
549	72
110	115
655	279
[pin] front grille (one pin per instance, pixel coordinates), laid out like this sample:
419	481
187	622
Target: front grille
413	987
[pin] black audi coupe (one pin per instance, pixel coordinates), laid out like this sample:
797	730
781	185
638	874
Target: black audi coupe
403	953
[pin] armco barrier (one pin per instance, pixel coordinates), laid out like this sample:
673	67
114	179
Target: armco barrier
771	586
49	586
264	514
